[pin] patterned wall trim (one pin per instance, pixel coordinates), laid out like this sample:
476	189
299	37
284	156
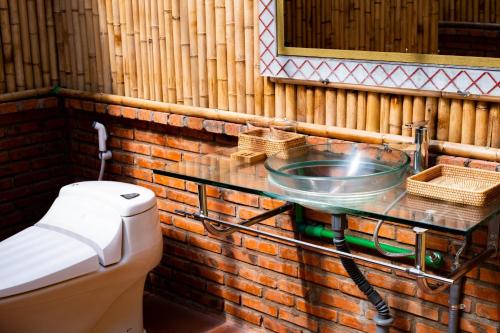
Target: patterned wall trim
370	73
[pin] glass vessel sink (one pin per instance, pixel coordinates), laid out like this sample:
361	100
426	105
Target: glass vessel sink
346	172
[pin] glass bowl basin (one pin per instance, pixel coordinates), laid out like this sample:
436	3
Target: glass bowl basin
337	171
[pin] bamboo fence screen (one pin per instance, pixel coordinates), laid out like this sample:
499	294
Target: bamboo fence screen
380	25
201	53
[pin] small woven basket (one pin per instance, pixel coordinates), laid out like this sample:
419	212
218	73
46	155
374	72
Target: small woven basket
263	140
456	184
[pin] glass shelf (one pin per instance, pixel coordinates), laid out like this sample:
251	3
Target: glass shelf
394	205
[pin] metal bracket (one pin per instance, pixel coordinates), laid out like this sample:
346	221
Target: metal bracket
215	226
493	231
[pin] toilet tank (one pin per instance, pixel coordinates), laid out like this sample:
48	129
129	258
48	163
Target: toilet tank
108	216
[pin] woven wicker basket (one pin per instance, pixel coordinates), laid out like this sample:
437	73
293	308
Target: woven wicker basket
456	184
263	140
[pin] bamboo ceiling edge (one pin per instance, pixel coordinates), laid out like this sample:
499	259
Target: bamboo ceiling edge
436	146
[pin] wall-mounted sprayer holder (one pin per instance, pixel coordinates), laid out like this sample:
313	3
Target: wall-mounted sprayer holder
104	153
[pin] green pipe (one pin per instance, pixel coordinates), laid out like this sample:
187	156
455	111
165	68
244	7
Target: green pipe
434	259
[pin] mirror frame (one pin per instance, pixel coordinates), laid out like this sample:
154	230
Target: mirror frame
366	68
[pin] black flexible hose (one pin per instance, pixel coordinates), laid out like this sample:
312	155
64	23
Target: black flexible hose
358	278
383	319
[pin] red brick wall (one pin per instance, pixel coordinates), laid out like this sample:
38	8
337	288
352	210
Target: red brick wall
33	160
267	286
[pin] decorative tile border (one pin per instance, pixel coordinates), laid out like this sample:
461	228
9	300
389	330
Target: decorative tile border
451	79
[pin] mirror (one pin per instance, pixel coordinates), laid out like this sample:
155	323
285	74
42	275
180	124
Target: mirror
457	32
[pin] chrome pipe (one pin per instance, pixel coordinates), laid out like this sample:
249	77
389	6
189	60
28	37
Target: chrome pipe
318	248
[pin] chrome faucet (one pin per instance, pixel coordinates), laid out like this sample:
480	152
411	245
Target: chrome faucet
421	141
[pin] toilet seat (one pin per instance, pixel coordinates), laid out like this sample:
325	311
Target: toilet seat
37	257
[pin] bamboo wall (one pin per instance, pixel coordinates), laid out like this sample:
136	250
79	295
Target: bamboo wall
484	11
203	53
380	25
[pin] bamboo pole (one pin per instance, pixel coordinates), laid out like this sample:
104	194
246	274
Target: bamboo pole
44	43
418	111
155	34
130	42
431	110
103	32
341	108
7	67
455	121
481	130
177	50
89	43
221	56
302	103
2	74
35	45
186	64
198	75
78	53
494	127
443	122
319	106
239	46
170	65
80	22
468	122
69	44
249	56
16	45
137	27
290	102
231	65
280	108
24	94
330	107
97	45
149	44
384	113
144	59
111	45
407	115
117	35
211	45
269	102
351	114
309	105
361	110
373	112
396	115
26	46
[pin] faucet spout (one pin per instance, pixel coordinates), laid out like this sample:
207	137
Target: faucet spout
421	140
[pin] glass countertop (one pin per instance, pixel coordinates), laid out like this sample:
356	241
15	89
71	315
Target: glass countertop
394	205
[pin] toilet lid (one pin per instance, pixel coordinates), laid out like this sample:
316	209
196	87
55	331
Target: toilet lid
38	257
88	220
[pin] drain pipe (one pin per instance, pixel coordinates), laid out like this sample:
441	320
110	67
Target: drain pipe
104	154
455	306
383	319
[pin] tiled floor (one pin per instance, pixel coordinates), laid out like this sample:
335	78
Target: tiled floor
163	316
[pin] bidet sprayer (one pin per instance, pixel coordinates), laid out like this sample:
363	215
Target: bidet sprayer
101	135
104	154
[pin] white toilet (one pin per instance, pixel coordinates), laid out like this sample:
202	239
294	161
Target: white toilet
82	267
